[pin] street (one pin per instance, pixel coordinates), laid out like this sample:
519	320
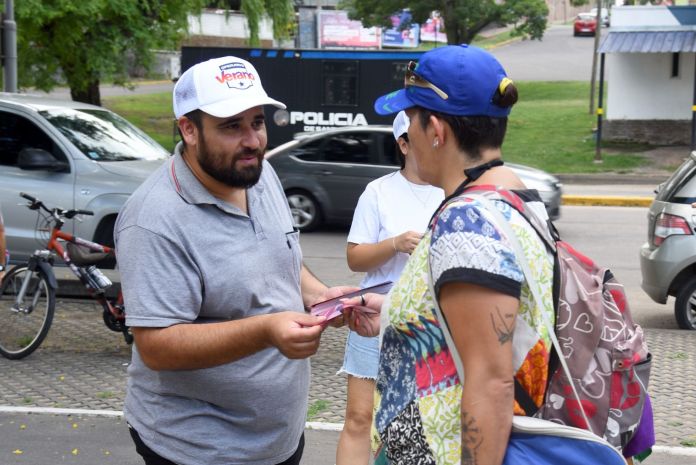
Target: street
611	236
534	60
82	365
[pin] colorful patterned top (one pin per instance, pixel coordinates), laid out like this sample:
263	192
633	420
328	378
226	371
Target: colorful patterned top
417	403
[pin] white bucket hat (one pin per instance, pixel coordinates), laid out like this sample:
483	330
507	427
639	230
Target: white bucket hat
221	87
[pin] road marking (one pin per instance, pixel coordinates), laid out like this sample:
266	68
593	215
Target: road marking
313	425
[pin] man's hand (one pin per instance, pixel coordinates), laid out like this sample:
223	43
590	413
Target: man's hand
295	335
363	314
332	293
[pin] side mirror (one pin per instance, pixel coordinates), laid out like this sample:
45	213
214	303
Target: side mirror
39	159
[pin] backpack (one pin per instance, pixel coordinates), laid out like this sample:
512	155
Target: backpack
602	347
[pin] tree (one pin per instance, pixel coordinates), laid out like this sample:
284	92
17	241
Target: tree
87	41
463	18
281	12
90	40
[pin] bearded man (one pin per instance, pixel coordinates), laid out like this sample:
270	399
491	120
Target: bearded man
215	289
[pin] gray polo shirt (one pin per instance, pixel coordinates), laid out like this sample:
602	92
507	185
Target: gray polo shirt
188	257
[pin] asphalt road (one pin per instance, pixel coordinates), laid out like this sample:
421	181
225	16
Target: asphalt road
611	236
557	57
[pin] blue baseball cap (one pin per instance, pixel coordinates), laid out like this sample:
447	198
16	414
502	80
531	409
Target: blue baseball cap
458	80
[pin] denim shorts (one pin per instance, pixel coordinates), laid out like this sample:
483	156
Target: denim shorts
361	356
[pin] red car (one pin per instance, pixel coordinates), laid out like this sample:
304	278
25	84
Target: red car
585	24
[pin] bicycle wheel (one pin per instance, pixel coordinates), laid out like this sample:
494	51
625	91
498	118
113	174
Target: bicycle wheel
24	327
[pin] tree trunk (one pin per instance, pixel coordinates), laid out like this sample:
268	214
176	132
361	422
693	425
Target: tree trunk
88	95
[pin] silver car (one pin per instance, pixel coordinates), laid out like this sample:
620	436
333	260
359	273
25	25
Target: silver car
70	155
324	173
668	258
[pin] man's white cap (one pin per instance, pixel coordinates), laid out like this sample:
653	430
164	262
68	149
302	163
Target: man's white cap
401	123
221	87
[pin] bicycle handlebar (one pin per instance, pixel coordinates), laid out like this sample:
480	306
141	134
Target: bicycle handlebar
68	214
27	196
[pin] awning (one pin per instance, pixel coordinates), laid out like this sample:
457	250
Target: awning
649	42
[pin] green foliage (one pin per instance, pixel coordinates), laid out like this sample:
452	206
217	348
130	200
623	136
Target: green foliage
92	40
463	18
281	13
549	128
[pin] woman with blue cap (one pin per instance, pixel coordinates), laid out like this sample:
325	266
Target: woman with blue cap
388	224
458	99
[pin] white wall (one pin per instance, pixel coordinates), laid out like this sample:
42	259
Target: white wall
215	23
640	86
642	16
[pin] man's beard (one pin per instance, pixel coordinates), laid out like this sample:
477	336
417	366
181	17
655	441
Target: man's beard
222	168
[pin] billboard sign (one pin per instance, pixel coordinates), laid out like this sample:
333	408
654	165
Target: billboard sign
336	30
403	33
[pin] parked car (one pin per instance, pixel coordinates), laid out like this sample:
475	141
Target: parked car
604	15
668	258
585	24
70	155
324	173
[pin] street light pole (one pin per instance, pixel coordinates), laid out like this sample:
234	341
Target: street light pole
9	43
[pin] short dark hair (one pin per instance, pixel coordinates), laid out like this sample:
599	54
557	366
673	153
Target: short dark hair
196	117
474	133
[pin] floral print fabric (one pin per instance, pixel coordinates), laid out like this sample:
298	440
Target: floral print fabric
417	404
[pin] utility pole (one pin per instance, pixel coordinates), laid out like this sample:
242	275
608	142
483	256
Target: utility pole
9	48
593	79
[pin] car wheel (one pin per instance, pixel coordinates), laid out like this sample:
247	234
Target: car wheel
305	210
104	235
685	305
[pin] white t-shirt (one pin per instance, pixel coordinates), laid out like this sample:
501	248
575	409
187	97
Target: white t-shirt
390	206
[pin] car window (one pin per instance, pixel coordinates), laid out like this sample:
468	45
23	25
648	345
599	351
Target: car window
310	151
104	136
17	133
390	155
678	180
349	148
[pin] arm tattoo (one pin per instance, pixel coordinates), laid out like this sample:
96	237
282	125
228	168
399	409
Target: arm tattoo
501	327
471	439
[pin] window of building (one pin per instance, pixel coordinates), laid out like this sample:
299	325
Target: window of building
675	65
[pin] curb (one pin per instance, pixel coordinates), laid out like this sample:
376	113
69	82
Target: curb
600	201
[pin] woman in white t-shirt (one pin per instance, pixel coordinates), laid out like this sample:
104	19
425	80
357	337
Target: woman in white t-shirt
389	221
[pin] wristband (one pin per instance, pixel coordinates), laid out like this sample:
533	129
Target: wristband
394	243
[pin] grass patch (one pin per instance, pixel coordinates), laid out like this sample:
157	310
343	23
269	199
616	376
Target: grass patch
688	443
493	41
549	128
150	112
316	408
105	395
679	356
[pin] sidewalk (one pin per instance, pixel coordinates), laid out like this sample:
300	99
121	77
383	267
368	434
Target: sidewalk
81	365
